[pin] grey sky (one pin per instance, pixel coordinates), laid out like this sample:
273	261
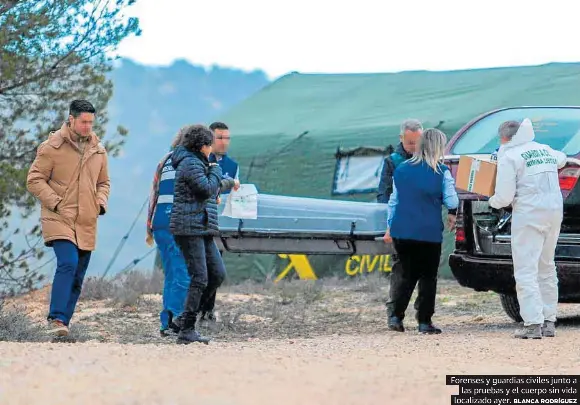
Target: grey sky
355	36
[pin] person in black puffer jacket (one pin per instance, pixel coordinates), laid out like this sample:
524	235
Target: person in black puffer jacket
194	222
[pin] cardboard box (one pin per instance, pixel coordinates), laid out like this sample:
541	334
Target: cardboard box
476	176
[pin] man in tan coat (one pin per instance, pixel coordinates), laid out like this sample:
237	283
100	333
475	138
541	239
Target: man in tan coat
69	176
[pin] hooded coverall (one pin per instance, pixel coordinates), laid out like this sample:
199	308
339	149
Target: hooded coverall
527	178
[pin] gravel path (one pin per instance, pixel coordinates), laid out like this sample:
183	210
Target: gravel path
366	369
297	343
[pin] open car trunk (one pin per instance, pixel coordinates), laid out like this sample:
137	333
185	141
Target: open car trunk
489	230
483	231
492	232
297	225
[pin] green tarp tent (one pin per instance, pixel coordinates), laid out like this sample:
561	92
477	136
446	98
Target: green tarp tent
285	137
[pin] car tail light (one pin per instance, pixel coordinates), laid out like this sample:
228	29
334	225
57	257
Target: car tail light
459	235
460	239
568	177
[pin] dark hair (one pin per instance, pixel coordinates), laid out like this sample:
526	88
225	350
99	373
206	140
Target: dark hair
218	125
196	136
77	107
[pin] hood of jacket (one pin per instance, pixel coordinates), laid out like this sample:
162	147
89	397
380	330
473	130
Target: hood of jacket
182	152
524	134
178	155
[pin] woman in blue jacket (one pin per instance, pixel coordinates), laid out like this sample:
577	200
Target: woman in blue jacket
194	222
421	186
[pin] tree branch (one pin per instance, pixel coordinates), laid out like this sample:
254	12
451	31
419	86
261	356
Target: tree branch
7	6
50	52
69	53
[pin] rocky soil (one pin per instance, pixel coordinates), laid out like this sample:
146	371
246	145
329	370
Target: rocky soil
290	343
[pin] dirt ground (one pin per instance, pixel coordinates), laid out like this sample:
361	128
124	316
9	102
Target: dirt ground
291	343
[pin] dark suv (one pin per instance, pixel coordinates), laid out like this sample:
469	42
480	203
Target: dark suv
482	256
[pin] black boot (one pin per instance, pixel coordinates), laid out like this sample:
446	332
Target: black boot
428	328
188	334
396	324
208	316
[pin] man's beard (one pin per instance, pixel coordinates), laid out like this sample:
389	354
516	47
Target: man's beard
78	135
81	136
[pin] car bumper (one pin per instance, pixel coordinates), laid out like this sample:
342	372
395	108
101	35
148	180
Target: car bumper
491	274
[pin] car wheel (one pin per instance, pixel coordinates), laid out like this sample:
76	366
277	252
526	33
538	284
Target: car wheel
511	306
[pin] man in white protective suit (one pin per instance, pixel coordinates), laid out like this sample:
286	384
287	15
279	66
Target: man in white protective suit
527	178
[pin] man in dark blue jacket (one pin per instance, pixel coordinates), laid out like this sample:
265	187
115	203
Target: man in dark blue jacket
420	185
411	131
230	170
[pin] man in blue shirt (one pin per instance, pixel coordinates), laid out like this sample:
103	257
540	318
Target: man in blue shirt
230	169
220	148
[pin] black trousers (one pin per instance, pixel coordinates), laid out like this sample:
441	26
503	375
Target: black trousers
207	272
417	262
210	303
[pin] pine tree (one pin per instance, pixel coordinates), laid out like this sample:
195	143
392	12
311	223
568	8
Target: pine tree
51	52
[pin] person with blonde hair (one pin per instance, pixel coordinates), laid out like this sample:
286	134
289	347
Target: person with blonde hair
421	186
176	279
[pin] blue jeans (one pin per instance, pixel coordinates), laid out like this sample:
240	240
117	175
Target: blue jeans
71	267
176	281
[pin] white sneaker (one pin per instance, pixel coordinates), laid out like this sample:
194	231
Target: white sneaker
529	332
549	329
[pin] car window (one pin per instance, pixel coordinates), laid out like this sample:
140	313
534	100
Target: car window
556	127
